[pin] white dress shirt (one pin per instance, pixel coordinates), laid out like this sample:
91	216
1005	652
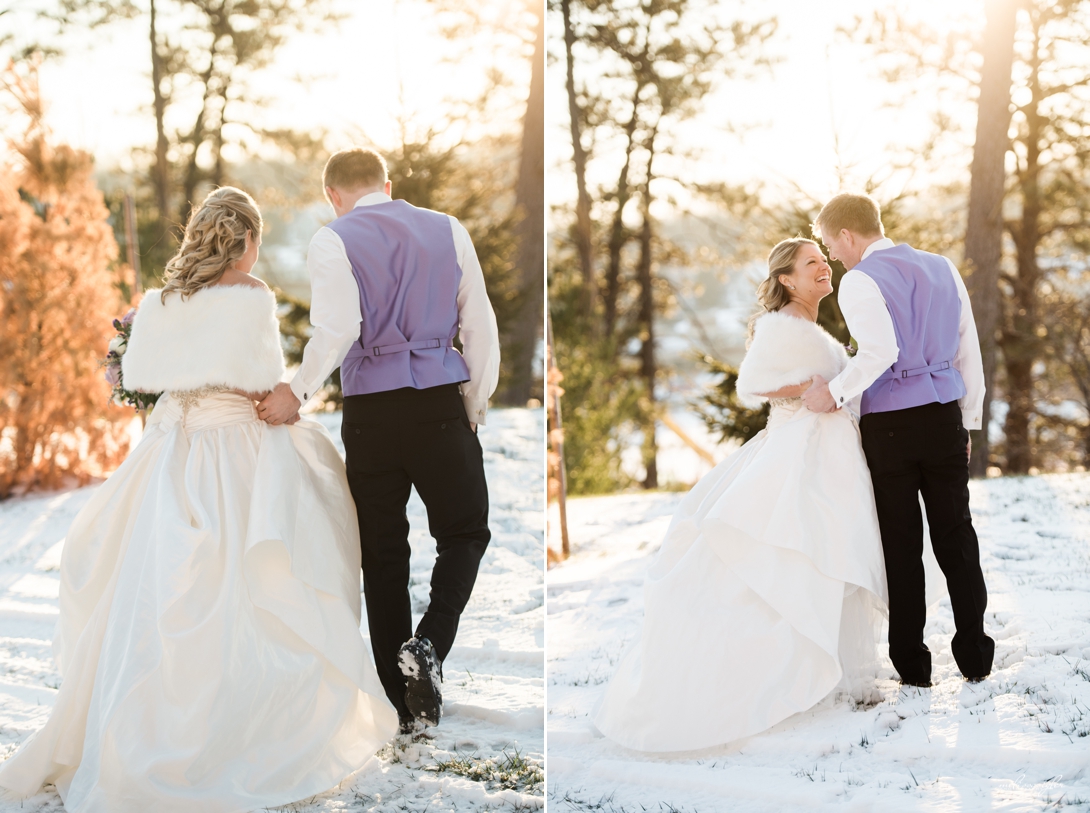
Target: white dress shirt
335	315
871	325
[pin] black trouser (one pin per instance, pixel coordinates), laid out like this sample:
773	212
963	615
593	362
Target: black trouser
922	450
394	440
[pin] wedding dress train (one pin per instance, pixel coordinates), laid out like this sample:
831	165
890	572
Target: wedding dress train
766	595
209	623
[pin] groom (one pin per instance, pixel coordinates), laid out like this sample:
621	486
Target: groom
391	286
920	375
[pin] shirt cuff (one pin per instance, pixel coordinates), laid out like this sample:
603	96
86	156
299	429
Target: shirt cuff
837	391
299	388
972	419
476	409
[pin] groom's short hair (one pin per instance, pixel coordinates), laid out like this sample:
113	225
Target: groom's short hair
353	169
856	213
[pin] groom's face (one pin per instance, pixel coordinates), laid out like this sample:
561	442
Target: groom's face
842	246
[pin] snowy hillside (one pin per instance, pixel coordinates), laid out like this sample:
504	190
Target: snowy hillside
493	689
1016	742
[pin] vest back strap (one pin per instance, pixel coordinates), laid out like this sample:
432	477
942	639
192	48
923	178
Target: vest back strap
425	344
931	368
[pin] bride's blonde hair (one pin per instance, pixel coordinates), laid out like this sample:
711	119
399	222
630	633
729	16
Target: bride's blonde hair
215	239
771	293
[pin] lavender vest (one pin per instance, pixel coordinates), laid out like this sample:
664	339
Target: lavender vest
923	300
407	271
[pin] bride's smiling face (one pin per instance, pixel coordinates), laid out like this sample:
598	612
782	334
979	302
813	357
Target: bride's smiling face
810	274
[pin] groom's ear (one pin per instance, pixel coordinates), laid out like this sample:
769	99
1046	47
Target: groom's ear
387	188
333	196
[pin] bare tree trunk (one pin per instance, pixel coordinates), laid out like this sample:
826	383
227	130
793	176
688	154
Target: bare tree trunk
161	176
218	167
984	234
132	243
617	235
579	157
558	478
1020	344
646	281
198	135
1016	427
530	204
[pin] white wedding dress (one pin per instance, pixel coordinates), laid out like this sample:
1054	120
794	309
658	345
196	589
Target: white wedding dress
209	635
766	595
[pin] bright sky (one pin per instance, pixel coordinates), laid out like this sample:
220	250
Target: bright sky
387	57
821	92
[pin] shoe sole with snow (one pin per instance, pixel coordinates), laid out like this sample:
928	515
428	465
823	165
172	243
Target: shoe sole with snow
421	695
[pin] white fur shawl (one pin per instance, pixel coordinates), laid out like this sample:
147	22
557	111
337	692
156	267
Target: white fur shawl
785	351
220	336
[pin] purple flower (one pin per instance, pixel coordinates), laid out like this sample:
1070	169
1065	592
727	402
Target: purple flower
128	317
113	374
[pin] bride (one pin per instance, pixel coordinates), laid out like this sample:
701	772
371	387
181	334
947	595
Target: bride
210	604
766	595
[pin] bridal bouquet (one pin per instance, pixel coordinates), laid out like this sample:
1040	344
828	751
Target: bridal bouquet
118	345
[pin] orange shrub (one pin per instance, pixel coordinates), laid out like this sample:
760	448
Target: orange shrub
58	295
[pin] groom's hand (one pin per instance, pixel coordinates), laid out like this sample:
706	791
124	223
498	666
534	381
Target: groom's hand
279	406
817	397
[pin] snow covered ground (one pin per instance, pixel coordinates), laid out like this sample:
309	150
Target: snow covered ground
1016	742
494	686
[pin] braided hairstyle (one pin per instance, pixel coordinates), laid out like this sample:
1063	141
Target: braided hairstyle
215	239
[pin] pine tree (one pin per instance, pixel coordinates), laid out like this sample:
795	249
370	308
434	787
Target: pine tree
58	296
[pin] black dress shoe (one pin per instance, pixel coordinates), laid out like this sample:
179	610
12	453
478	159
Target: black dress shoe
919	684
424	680
408	726
975	679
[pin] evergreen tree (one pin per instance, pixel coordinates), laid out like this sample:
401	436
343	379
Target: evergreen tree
1043	219
649	67
59	292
